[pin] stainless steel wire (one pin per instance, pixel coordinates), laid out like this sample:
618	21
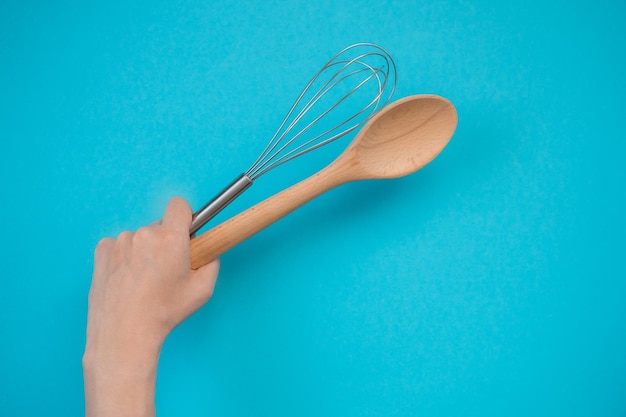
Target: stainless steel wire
356	67
342	96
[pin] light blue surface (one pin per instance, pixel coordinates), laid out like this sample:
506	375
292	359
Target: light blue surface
492	283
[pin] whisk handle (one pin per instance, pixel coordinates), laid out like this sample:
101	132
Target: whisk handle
225	236
225	197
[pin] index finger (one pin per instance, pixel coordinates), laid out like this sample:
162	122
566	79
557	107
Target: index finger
177	215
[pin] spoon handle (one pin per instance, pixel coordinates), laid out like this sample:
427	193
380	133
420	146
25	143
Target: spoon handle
225	236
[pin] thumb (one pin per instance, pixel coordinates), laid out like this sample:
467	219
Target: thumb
177	215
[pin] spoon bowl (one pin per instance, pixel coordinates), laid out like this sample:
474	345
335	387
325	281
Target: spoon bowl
404	137
400	139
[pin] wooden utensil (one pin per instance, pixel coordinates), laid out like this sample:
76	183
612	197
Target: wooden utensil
400	139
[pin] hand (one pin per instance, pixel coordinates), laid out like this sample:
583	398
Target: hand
142	287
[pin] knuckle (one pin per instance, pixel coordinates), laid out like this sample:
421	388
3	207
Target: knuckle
124	237
144	234
103	246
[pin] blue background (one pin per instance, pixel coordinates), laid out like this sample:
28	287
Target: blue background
490	283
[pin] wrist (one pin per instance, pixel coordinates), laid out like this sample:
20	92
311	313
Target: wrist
119	386
121	359
121	347
102	366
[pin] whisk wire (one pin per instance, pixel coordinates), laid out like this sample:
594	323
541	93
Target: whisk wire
273	161
270	158
370	64
276	139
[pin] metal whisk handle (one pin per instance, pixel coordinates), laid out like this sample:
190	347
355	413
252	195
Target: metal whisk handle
221	200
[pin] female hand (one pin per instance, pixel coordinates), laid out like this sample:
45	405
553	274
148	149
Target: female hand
142	287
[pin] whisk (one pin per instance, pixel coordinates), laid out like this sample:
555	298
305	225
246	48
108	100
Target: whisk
342	96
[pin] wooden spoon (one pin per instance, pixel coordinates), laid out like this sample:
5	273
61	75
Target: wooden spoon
400	139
